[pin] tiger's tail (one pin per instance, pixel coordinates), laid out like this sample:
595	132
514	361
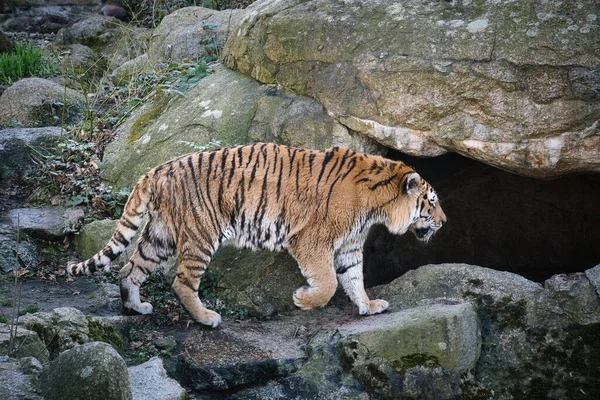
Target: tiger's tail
133	213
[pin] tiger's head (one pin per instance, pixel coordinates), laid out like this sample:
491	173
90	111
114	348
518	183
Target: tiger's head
428	214
417	209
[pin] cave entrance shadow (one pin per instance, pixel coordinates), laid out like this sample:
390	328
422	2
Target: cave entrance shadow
535	228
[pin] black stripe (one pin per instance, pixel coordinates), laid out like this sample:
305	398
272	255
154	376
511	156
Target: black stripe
292	162
331	170
279	180
343	269
351	166
253	175
385	182
311	159
128	224
329	194
239	153
298	183
145	257
231	171
119	238
328	156
250	156
108	252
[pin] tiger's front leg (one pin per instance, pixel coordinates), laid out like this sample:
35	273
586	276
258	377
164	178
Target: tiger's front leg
317	267
349	270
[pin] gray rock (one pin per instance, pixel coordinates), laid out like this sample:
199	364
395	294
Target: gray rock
115	41
185	33
60	329
130	70
28	253
30	365
261	282
499	85
91	371
529	333
41	102
149	381
223	109
593	274
26	344
77	59
14	383
448	334
16	144
51	223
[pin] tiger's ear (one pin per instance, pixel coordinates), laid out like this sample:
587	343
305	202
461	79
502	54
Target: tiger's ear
411	184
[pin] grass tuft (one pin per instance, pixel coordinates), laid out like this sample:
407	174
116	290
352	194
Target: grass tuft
26	61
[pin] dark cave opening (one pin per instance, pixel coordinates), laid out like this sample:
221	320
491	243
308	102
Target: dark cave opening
535	228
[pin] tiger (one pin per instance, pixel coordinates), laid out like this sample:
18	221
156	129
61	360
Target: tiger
317	205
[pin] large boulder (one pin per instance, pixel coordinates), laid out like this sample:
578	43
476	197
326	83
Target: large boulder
259	281
225	108
447	335
115	41
91	371
40	102
515	85
66	327
50	223
534	338
192	32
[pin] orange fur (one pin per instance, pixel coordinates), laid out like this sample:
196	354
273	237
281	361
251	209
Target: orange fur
318	205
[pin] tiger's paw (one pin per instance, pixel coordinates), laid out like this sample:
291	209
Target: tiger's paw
375	307
142	308
303	298
209	318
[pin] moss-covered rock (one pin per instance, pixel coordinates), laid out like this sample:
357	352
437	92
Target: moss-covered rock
514	85
261	282
436	335
100	330
40	102
535	339
92	371
22	343
225	108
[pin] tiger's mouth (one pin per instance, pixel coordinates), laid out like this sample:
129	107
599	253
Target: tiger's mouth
424	234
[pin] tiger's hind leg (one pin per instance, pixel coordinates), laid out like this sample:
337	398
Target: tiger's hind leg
154	246
349	270
191	266
316	266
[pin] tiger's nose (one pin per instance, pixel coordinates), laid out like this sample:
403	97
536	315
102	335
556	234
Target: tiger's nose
443	218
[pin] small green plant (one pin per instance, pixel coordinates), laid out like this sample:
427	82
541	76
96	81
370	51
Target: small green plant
6	303
30	309
74	172
25	61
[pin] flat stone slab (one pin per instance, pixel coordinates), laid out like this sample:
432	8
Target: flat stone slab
51	223
149	381
449	333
